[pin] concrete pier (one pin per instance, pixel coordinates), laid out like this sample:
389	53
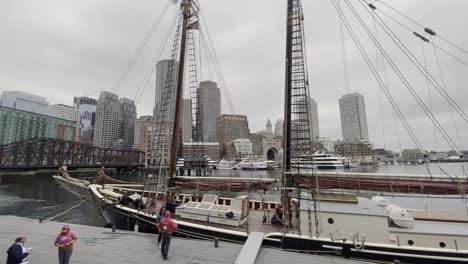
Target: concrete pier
102	246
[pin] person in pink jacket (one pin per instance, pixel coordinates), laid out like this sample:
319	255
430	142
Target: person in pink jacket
64	242
167	225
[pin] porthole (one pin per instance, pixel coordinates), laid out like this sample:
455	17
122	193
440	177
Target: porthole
442	244
331	221
410	242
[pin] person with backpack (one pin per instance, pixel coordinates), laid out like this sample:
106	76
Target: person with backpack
167	225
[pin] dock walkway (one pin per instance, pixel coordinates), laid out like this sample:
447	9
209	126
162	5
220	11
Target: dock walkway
102	246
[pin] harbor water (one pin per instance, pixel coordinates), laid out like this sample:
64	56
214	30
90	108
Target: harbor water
40	197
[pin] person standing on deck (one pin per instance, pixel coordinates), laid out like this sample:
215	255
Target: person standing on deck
64	242
158	219
166	226
17	253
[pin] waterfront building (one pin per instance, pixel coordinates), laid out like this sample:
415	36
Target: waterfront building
257	144
66	112
25	102
327	144
140	133
271	146
108	115
229	128
128	114
18	125
187	129
87	117
200	149
158	144
413	155
209	99
238	149
279	127
353	117
358	151
163	74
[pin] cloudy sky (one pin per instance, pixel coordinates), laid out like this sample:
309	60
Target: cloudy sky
63	48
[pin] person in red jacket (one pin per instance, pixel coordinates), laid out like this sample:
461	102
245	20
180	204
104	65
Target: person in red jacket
167	225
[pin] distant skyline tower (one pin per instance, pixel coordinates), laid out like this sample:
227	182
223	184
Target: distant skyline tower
269	127
128	116
187	120
209	98
108	114
139	139
353	117
279	127
314	120
162	69
87	108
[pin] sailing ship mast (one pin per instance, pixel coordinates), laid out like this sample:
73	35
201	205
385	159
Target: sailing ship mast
186	4
296	134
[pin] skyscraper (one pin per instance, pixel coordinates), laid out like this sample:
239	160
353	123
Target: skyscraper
353	117
313	120
127	121
187	120
279	127
25	102
140	133
209	98
229	128
165	69
108	114
66	112
87	108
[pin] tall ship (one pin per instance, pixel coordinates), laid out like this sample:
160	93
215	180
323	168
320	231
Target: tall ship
304	216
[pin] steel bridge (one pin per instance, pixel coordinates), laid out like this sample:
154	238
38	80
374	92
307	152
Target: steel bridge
49	153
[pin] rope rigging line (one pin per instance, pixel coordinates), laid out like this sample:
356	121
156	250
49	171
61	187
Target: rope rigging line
379	80
422	26
405	81
144	83
444	87
363	52
139	50
343	53
429	92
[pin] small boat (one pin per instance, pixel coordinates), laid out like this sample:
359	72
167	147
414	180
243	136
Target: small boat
225	165
253	165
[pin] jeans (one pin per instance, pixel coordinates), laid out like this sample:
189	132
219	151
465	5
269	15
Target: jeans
166	242
159	237
64	256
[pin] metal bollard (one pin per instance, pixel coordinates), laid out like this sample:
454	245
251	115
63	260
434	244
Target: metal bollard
113	228
216	242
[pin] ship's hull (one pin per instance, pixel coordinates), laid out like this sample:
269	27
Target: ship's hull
125	218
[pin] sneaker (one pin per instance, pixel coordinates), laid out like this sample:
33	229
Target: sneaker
159	246
165	257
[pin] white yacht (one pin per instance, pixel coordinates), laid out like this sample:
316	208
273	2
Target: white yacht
225	165
319	160
252	165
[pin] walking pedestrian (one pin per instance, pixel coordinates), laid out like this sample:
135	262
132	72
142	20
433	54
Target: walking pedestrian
167	225
17	253
64	242
160	217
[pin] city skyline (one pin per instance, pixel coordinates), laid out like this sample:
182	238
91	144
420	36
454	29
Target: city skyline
99	56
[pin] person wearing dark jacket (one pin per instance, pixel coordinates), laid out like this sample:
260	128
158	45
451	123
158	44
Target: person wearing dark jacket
17	253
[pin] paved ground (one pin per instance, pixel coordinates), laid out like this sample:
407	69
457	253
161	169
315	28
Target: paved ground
101	246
